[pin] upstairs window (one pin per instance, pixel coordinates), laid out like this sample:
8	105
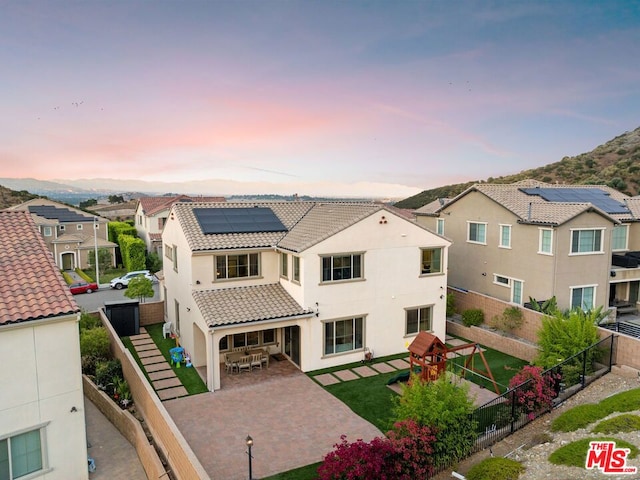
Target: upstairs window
586	241
296	269
440	226
619	237
342	267
431	260
47	231
545	244
237	266
284	265
505	236
477	233
79	226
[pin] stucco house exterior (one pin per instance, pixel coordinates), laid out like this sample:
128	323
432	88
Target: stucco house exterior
316	282
70	234
42	423
538	240
151	214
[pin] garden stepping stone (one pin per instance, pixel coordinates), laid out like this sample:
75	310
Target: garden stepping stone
383	367
143	348
161	374
326	379
399	363
365	371
346	375
170	393
142	341
151	360
148	353
156	367
167	383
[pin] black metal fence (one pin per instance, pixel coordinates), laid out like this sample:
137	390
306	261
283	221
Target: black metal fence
628	328
504	415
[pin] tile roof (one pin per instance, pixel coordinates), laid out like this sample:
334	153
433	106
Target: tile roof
230	306
31	286
78	215
535	209
153	205
432	207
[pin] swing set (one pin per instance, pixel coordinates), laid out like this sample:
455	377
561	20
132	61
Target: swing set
429	353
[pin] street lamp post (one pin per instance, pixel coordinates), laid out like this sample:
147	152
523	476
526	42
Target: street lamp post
96	224
249	442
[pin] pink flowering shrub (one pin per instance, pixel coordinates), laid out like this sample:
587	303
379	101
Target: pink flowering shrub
405	455
538	392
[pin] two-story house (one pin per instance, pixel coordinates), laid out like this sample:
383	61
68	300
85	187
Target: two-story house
42	423
151	214
71	235
317	282
532	239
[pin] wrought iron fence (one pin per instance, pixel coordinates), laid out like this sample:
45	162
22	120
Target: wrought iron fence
503	415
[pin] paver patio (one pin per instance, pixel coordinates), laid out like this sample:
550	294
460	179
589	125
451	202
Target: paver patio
292	420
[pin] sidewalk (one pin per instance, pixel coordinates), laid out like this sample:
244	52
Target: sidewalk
114	456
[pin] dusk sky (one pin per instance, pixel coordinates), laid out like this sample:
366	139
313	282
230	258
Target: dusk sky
383	98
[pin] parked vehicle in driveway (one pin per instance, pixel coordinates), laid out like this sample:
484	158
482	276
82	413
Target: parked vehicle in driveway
123	281
83	287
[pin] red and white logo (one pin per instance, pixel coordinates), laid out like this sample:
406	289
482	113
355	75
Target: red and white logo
608	458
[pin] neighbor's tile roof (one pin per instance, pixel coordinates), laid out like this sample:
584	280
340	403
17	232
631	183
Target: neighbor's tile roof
152	205
31	286
230	306
431	207
289	214
41	220
535	209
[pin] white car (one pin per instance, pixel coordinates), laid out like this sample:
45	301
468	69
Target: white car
123	281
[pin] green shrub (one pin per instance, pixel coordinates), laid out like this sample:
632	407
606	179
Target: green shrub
94	342
577	417
496	468
84	276
451	308
621	423
472	317
574	454
107	371
510	319
67	277
88	320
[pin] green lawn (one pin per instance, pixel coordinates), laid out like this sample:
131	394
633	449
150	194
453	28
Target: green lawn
310	472
188	376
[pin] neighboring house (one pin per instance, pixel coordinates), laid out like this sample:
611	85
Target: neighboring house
532	239
70	234
151	214
117	212
317	282
42	423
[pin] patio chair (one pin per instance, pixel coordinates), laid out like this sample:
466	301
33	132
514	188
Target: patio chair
166	330
244	363
256	360
228	364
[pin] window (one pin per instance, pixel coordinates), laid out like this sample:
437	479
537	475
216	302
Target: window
62	227
440	226
161	222
586	241
237	266
296	269
545	244
500	280
343	335
139	219
418	319
583	297
516	291
477	233
224	343
79	226
341	267
249	339
168	252
176	305
619	237
174	249
21	455
505	236
431	261
284	265
47	231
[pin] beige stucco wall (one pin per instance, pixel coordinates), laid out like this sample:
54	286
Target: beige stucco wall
41	383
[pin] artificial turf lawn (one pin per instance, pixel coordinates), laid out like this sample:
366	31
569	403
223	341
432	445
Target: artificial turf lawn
309	472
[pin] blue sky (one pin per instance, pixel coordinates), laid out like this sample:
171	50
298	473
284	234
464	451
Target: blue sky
370	97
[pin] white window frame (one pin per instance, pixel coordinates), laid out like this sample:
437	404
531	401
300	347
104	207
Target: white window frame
333	268
501	228
284	265
428	320
582	287
541	232
484	240
577	231
168	252
62	228
218	277
44	467
440	226
514	282
79	226
295	269
496	280
423	263
47	231
174	255
355	333
618	228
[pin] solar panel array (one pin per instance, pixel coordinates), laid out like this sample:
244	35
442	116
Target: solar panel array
595	196
60	214
238	220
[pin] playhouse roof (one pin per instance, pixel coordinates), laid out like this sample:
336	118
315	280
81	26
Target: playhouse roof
426	343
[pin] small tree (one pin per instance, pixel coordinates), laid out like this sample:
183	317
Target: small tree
140	287
105	260
153	262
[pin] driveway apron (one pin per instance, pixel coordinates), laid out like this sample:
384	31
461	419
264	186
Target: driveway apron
292	420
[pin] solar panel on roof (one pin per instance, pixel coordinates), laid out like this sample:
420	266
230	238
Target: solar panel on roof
595	196
61	214
238	220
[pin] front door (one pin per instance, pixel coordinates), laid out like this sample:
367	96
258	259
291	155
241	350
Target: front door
67	261
292	343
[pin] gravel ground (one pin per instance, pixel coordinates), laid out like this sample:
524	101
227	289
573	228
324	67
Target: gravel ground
523	445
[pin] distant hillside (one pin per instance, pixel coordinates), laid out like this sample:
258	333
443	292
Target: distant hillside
616	163
9	198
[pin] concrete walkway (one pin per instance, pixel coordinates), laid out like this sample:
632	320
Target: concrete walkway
163	379
114	456
292	420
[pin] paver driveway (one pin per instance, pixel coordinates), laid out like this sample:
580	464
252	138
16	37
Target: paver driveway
292	420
